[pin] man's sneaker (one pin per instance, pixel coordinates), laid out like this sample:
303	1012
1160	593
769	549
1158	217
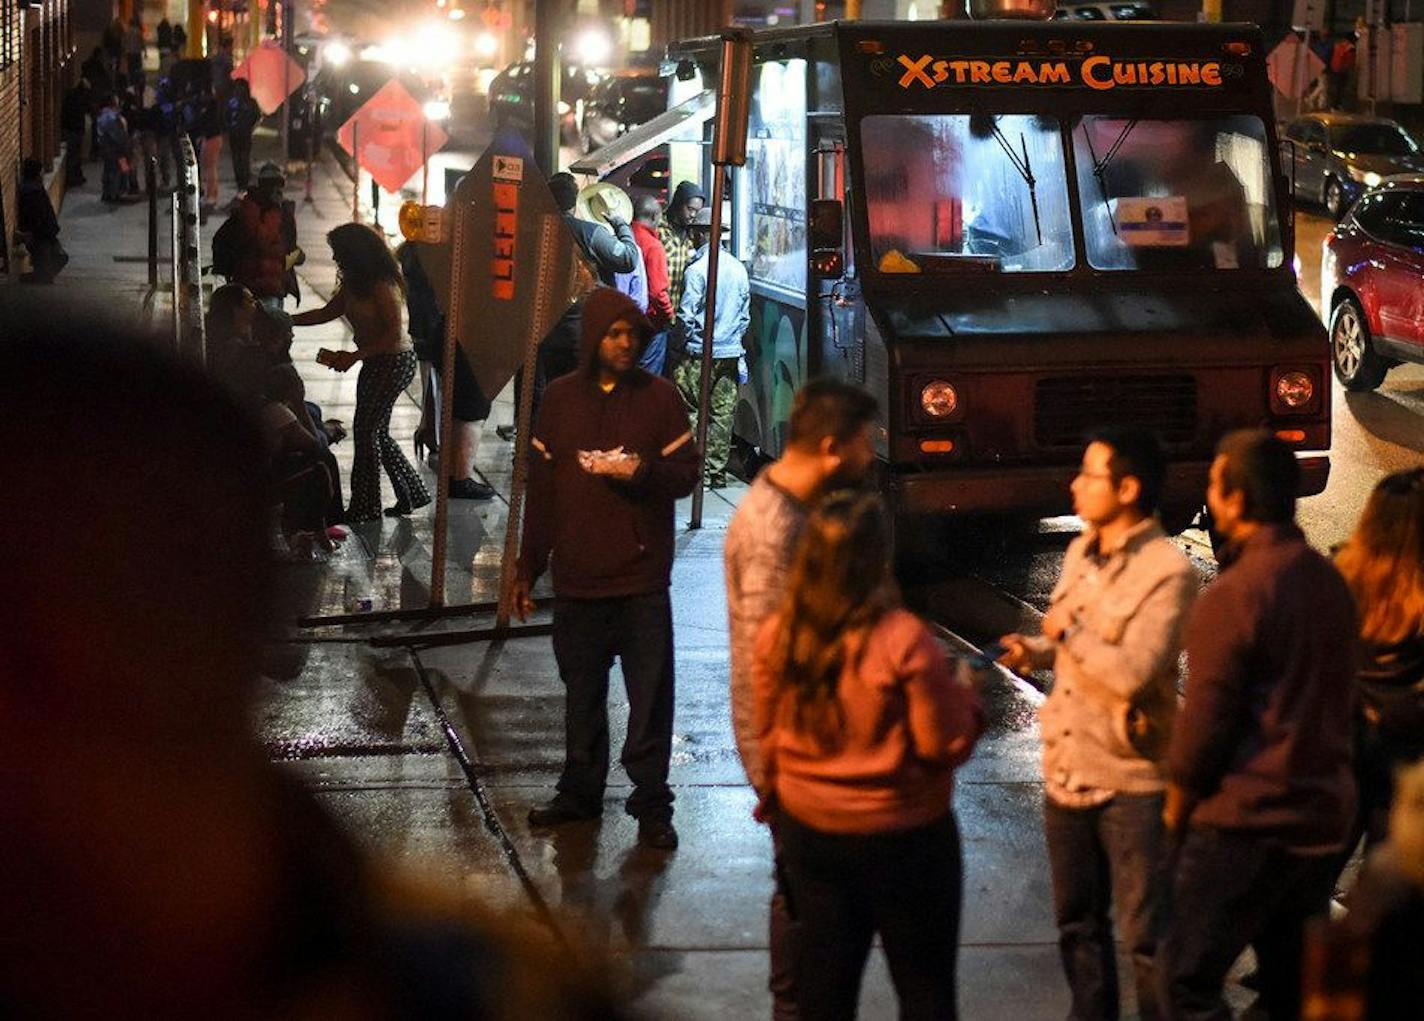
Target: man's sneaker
556	813
470	489
505	432
658	834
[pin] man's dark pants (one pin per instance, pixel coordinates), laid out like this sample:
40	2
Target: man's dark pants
74	157
241	159
1230	890
588	634
1100	857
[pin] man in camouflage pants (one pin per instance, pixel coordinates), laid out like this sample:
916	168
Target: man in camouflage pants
729	367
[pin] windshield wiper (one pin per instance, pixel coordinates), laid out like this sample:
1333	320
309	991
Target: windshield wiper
1100	166
1025	169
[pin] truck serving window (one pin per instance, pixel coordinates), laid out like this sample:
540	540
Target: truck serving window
1176	194
952	192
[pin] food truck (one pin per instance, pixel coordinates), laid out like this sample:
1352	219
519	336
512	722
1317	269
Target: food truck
1013	233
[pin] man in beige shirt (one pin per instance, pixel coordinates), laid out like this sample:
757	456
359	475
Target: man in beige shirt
1112	635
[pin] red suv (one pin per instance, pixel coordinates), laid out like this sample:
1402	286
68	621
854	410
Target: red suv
1372	283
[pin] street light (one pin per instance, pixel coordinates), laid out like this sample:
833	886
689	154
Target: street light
594	48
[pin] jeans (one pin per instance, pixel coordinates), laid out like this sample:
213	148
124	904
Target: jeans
655	354
588	634
844	888
1100	857
1237	889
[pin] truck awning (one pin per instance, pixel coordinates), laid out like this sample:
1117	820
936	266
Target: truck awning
649	135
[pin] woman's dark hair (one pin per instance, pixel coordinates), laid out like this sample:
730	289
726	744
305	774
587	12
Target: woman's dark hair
1264	470
1136	453
362	258
840	587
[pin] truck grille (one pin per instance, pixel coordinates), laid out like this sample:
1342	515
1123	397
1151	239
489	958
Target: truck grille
1067	408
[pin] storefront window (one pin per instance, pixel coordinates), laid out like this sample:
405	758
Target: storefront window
958	192
1176	194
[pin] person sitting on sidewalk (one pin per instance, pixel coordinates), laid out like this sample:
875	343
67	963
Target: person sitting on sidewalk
303	473
860	723
39	225
611	455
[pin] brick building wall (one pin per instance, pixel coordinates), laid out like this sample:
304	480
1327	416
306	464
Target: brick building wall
36	66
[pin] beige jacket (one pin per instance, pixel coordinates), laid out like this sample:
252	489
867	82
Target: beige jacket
1108	718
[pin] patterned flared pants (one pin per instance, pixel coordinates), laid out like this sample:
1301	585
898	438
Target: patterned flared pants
383	378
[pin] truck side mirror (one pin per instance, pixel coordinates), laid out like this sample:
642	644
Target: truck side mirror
827	239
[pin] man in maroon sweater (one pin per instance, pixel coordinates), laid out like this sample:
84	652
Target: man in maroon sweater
612	453
1260	795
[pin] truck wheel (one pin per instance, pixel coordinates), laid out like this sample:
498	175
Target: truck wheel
1357	366
1334	199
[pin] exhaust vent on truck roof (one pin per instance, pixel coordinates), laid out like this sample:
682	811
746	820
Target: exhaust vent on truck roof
1023	10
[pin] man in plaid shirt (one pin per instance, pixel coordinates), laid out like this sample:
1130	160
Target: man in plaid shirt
687	200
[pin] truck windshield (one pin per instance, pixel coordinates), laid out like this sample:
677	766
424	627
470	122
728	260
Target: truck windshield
955	192
1176	194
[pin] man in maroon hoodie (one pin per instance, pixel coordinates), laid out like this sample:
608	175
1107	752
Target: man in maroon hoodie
1260	795
612	453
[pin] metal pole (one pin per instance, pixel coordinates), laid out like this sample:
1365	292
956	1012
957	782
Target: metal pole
524	427
424	162
175	278
704	401
447	401
546	85
286	125
355	172
150	173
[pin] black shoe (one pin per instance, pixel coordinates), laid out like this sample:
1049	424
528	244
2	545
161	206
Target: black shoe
556	813
403	508
504	432
470	489
657	834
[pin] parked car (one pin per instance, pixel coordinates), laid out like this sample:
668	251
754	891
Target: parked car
1340	155
620	102
511	98
1372	283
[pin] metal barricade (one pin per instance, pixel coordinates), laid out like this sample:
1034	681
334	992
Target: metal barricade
189	337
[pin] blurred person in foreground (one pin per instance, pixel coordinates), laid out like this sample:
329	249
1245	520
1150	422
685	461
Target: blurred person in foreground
154	863
1383	563
860	723
610	455
1260	796
1112	635
828	444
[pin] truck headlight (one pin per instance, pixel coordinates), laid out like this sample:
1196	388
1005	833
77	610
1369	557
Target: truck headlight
939	399
1295	390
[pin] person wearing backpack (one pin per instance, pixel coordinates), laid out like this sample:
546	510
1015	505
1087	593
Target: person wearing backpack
257	245
1382	565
